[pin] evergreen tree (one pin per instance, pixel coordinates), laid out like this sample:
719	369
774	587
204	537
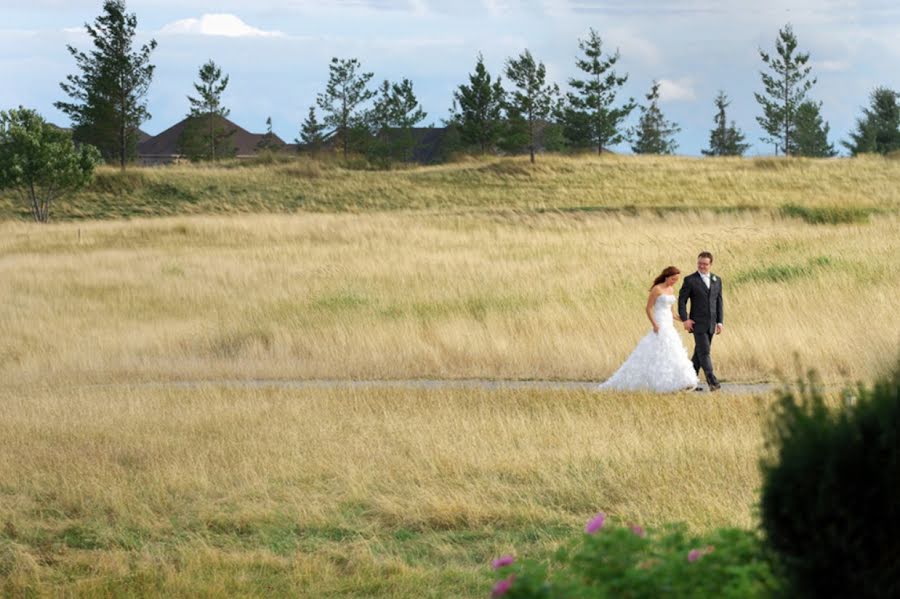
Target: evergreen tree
108	97
208	135
269	141
395	112
811	137
725	140
589	115
878	130
785	90
654	134
343	99
312	133
533	99
478	108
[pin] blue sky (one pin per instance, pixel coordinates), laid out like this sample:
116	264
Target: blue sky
277	51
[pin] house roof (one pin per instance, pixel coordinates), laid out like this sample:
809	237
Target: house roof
166	143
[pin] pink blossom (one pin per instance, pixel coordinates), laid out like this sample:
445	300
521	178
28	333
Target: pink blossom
694	555
502	561
638	531
595	524
502	586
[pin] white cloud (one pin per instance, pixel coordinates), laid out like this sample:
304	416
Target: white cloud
217	24
633	46
676	90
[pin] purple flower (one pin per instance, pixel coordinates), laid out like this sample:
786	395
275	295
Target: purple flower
595	524
694	555
502	586
638	531
502	561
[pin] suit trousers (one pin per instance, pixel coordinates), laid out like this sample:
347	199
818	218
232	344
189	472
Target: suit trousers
702	359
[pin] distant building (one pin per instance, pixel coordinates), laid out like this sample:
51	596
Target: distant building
164	148
429	144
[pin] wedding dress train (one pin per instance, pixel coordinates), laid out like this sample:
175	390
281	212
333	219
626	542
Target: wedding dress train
660	361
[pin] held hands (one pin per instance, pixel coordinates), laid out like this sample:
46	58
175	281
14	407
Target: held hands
689	326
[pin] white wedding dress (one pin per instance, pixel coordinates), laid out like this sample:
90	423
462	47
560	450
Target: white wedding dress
659	362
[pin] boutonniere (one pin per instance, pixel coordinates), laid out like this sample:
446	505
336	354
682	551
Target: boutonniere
713	278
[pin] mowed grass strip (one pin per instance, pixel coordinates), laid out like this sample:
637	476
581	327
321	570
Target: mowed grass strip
214	491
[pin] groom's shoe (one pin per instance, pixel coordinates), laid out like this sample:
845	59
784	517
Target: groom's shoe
715	387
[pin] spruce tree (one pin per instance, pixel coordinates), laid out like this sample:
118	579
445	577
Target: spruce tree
395	112
312	133
108	97
589	115
207	135
785	86
533	100
654	134
725	140
342	102
878	130
811	137
478	108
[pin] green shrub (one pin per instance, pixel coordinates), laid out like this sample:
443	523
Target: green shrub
629	562
830	502
830	215
782	273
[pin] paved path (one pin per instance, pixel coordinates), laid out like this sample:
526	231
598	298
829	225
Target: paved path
480	384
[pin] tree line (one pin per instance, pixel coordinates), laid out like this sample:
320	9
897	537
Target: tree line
107	105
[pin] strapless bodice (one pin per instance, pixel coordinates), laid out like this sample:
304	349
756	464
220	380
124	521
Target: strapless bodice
662	309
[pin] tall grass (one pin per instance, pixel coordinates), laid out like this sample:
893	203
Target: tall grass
491	269
813	189
499	295
129	491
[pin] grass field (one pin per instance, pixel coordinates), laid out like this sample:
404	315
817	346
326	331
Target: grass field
209	492
552	296
844	189
112	488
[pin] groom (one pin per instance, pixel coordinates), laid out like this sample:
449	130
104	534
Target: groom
704	290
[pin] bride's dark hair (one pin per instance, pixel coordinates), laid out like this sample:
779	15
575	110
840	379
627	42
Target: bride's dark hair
665	274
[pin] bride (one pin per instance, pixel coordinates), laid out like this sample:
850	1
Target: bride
659	362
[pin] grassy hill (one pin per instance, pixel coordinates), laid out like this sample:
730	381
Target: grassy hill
830	190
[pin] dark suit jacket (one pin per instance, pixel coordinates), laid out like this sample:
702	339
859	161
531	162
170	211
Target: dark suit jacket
706	304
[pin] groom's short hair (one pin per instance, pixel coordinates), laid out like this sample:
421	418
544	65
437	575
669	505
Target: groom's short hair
705	255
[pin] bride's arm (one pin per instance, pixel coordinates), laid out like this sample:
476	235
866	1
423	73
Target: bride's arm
654	293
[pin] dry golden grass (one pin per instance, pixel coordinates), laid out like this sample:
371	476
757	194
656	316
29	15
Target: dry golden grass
555	183
407	295
506	272
208	491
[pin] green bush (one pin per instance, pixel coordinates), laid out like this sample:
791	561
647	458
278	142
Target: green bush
831	215
830	502
629	562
